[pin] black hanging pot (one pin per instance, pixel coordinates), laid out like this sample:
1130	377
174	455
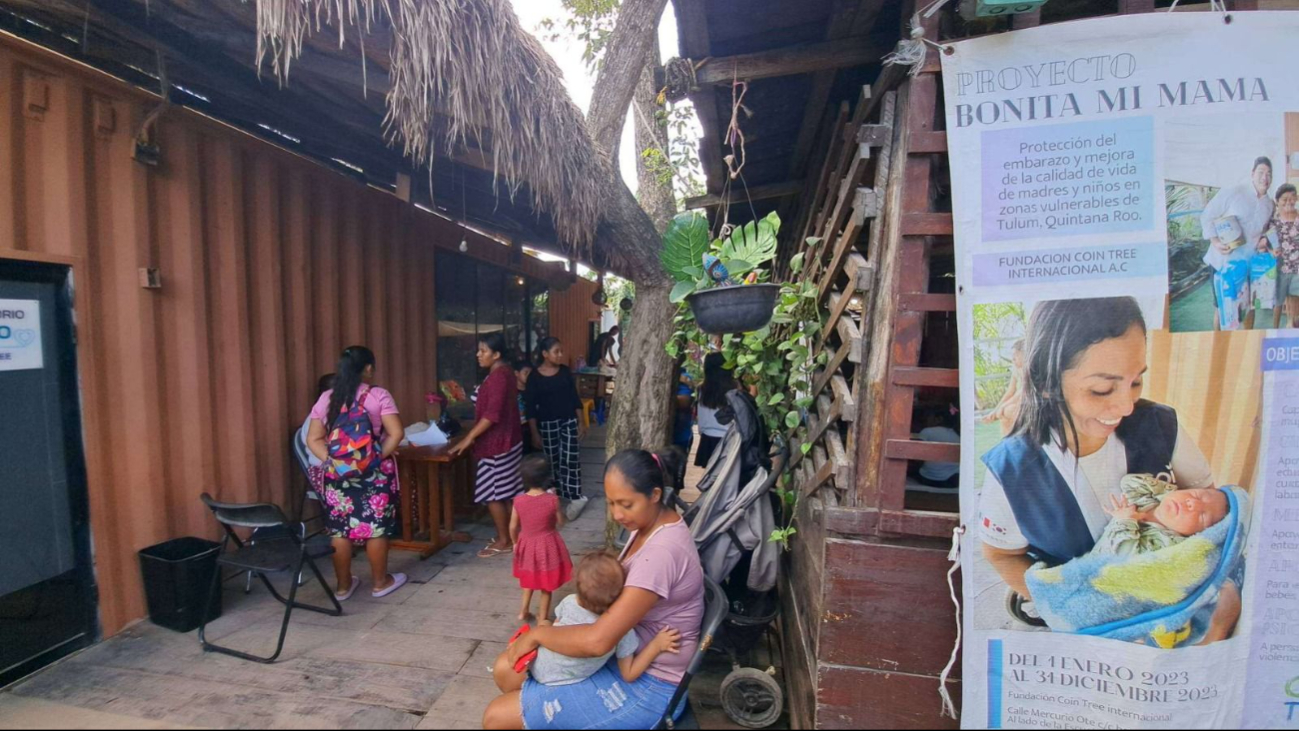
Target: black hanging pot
738	309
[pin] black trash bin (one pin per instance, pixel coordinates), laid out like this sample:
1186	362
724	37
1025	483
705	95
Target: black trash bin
177	579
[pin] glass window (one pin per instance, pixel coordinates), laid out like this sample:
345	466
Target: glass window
473	299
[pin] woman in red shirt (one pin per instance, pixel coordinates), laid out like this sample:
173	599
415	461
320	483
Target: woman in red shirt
497	440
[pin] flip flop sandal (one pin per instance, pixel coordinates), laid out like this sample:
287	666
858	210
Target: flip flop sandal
398	581
489	552
356	584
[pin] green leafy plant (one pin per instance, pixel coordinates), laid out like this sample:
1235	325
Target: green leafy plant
776	362
686	243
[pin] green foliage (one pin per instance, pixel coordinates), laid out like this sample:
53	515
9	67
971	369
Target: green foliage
754	243
777	360
589	21
686	242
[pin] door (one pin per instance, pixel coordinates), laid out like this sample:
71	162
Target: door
47	595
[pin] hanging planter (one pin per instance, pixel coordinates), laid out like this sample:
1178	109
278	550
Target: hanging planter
726	310
708	273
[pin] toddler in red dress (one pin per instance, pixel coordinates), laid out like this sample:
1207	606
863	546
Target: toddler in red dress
541	560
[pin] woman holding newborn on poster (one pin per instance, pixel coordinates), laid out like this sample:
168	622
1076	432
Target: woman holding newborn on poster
1082	427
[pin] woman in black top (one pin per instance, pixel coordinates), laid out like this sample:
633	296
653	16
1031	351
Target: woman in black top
554	412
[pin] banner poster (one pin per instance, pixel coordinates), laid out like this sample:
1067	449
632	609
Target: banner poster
1127	246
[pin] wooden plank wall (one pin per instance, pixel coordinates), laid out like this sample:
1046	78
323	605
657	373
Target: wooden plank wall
571	315
198	386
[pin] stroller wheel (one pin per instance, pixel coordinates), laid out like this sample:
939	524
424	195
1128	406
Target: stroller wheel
752	698
1022	609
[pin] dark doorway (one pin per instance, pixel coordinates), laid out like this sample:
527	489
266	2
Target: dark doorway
47	593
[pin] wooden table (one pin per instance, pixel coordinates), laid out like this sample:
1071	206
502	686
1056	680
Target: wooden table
594	385
427	501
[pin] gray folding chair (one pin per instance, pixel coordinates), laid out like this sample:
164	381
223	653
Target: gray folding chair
285	549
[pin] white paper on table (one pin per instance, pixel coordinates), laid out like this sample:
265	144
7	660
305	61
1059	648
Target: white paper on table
430	437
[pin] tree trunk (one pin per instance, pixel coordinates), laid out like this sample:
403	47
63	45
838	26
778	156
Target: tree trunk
641	415
655	196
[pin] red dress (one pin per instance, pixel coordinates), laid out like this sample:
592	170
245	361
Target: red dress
541	560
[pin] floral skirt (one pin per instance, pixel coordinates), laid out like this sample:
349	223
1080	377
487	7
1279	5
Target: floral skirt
364	507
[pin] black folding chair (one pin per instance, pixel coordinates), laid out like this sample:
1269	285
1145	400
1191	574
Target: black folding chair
281	548
716	606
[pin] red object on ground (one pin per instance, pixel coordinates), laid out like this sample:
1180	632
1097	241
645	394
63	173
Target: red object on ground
522	665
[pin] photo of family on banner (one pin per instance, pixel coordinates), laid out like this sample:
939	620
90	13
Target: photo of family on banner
1127	254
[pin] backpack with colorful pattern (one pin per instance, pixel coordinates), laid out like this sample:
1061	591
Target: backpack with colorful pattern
353	450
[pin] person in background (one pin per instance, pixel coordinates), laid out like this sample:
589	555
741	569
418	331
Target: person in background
605	346
718	382
1007	410
554	414
941	426
1251	205
497	440
683	429
313	465
1286	226
522	370
352	418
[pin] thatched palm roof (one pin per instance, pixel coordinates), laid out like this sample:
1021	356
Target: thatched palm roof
471	61
458	86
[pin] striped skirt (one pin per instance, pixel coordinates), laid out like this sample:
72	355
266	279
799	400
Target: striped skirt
498	477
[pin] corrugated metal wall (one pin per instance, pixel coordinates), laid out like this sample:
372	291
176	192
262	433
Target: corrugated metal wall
198	386
571	315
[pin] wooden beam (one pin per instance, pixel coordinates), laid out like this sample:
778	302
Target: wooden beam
927	224
926	451
867	523
787	61
927	377
927	303
757	193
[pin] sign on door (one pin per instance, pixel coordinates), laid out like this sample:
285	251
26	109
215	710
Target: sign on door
20	335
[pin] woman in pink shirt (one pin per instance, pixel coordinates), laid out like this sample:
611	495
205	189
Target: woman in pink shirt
362	498
664	588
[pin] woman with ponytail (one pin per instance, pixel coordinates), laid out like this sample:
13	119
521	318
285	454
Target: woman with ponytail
354	430
664	588
497	440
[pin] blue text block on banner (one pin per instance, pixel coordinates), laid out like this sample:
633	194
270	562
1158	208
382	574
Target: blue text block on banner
1281	354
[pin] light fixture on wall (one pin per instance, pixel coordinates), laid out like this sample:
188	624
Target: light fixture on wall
464	246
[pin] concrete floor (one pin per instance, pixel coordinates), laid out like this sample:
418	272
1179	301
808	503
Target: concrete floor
417	659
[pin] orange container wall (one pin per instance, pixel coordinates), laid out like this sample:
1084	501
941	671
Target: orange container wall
198	386
571	315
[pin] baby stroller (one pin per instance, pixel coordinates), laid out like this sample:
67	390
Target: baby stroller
731	524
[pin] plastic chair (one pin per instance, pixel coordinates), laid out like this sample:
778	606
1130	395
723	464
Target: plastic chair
716	606
285	549
588	405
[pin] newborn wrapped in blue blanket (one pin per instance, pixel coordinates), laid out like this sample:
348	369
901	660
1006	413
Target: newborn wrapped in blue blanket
1163	598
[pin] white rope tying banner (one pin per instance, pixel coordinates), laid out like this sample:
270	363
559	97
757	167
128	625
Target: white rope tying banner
949	708
911	52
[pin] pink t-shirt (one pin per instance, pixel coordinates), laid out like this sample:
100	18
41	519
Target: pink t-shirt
378	404
668	565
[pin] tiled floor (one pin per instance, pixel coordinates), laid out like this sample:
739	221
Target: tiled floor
417	659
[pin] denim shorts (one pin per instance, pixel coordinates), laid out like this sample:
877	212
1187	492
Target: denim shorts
1287	285
602	701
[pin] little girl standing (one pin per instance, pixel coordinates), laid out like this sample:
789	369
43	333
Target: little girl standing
541	560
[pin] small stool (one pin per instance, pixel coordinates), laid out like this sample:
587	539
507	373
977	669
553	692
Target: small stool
587	406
